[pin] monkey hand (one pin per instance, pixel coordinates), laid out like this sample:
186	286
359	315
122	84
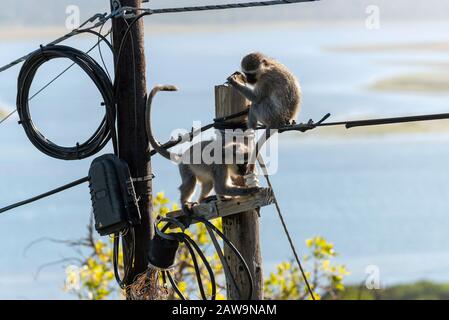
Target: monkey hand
236	78
251	180
231	79
187	208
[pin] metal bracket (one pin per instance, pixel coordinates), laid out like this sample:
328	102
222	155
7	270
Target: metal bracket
125	12
222	208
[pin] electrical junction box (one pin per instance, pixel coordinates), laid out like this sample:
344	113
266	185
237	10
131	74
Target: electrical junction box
114	201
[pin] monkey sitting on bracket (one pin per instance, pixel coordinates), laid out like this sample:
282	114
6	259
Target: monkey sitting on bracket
210	175
275	95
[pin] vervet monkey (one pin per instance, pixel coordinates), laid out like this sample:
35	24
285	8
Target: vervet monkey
275	93
217	176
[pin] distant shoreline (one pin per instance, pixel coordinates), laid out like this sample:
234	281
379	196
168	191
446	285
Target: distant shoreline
435	80
18	33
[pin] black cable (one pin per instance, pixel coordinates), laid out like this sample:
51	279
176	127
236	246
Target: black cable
221	6
100	52
298	127
234	249
197	270
115	255
46	194
128	264
218	123
122	46
380	121
103	18
192	247
174	286
100	137
100	37
361	123
128	259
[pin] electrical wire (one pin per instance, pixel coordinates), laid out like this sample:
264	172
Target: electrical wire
102	19
192	247
103	133
181	237
7	116
216	7
46	194
287	233
119	52
106	129
234	249
100	38
126	252
128	258
298	127
174	286
100	52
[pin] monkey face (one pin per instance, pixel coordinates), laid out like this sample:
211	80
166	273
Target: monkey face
251	77
253	65
241	169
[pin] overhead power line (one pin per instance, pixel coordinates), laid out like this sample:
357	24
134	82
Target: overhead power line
225	6
100	39
46	194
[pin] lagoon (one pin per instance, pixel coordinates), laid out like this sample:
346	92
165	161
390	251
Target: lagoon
382	199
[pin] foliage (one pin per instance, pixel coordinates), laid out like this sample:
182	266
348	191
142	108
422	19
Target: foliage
325	279
93	279
422	290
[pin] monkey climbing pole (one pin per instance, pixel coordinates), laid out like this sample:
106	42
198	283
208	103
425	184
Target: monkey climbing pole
241	229
240	215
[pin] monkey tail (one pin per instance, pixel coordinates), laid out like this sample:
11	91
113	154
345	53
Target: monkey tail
154	143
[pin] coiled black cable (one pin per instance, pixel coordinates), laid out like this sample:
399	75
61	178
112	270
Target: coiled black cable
193	249
233	249
191	244
128	258
101	80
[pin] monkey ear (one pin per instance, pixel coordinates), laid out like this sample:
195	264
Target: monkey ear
264	62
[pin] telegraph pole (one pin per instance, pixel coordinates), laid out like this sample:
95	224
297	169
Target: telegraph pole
133	143
241	229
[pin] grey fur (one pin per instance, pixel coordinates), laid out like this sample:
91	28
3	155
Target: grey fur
276	94
210	176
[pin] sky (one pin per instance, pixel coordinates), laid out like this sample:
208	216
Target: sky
53	12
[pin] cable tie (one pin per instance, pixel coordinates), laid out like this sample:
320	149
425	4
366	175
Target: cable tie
44	54
24	121
144	179
77	150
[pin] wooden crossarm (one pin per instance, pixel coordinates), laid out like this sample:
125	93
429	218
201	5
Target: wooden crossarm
222	208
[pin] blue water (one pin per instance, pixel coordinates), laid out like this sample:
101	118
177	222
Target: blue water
381	200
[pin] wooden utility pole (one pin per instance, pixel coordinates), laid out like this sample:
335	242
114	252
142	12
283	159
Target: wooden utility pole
243	228
133	143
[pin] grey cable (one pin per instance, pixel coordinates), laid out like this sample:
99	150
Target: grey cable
222	6
284	225
58	76
102	20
